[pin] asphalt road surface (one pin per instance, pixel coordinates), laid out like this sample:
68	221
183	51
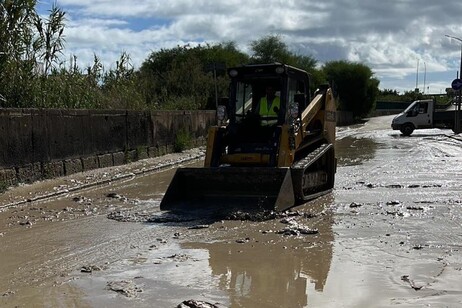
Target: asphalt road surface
389	235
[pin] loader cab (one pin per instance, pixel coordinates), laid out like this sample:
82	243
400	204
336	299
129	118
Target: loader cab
248	87
250	132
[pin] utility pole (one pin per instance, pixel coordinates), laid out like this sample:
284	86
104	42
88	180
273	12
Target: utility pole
459	94
425	76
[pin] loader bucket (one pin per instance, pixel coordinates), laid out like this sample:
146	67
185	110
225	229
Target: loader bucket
236	188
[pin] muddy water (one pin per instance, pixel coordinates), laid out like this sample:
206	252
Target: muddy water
389	235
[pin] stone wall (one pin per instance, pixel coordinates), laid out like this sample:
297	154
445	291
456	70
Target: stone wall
36	144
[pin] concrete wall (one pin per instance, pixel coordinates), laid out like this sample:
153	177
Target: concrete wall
344	118
37	144
383	112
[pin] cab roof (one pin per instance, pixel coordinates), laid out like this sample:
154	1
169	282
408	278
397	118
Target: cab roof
271	69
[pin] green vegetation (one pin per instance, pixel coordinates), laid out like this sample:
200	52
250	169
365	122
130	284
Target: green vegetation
356	86
183	140
388	95
185	77
3	187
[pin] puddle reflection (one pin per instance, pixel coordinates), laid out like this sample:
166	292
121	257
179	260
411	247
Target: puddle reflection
272	270
351	151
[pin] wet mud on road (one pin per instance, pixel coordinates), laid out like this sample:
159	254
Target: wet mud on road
389	235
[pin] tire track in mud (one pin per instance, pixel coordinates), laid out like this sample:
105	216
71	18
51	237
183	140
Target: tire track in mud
417	239
99	242
121	241
425	182
101	181
402	234
68	257
42	264
415	159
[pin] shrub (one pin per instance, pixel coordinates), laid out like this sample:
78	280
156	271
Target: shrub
3	186
182	140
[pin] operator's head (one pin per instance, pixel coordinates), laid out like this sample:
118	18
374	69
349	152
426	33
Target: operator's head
270	91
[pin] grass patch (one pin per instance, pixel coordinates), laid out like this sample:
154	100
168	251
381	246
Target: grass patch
183	140
3	187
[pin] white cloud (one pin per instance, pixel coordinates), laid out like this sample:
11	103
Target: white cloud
388	36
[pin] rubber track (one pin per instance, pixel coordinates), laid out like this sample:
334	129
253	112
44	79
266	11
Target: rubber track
310	158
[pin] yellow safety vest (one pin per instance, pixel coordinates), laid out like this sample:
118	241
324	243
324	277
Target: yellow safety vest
264	112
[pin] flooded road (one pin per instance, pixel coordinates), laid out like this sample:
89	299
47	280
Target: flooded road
389	235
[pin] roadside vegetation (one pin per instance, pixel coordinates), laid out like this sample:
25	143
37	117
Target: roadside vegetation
3	187
393	96
33	73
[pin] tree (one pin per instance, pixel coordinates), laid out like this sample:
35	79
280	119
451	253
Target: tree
357	88
227	52
410	96
270	49
389	92
185	76
308	64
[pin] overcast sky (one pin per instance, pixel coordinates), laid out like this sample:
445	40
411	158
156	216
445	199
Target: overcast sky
395	38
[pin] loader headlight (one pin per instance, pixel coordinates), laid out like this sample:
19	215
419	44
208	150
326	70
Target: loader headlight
293	111
221	112
233	73
280	69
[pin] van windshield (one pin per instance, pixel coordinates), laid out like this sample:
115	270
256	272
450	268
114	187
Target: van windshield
411	106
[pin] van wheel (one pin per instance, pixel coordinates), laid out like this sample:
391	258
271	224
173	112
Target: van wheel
407	129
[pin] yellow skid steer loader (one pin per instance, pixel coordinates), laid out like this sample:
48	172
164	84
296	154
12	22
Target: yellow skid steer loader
269	151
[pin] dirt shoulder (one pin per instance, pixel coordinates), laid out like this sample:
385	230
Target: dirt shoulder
42	190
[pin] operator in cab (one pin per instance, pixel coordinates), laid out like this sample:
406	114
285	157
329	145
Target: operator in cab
268	107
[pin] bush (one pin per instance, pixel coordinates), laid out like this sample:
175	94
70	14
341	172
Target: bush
183	141
3	187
